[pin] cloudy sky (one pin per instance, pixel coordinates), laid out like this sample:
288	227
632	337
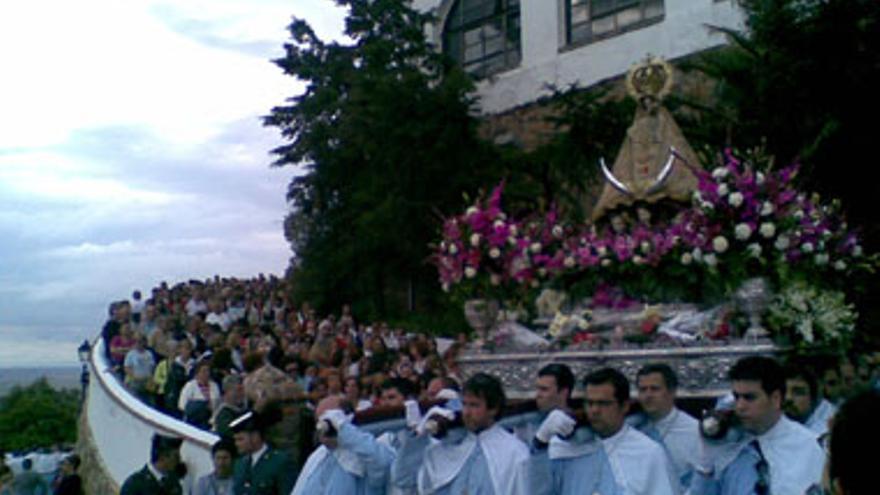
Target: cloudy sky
131	152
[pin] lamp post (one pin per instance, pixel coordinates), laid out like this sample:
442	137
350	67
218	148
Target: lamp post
85	352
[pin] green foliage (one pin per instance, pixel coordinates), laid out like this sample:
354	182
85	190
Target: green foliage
38	416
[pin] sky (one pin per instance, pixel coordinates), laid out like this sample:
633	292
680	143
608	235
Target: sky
132	152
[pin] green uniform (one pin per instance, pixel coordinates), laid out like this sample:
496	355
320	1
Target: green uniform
144	482
273	474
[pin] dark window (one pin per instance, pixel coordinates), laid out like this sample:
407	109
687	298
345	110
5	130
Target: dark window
589	20
483	35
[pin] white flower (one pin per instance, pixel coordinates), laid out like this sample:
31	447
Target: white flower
498	223
720	173
470	272
557	231
603	251
568	262
646	246
494	253
687	259
513	230
754	249
470	211
840	265
707	206
697	254
710	260
638	260
735	199
720	244
542	272
857	251
782	243
767	208
535	284
723	190
501	215
582	324
768	230
453	249
697	197
759	178
807	247
535	247
742	231
606	262
495	279
445	286
799	214
475	240
821	259
511	240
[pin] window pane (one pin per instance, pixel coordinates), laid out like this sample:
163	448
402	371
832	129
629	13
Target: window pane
654	9
491	40
603	25
580	14
628	16
602	7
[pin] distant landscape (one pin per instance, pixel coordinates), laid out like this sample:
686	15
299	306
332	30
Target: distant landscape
59	378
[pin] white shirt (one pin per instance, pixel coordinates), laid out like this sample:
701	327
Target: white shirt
818	420
255	457
639	464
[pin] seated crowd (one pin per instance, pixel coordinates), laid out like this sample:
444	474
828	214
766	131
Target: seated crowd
238	357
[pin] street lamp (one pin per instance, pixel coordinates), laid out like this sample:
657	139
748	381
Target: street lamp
85	352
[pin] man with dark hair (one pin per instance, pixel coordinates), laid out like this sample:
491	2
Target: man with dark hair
673	428
803	402
260	469
482	458
219	482
771	454
608	456
850	471
69	482
159	476
553	388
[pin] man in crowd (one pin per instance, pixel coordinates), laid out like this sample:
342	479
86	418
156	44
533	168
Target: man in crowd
260	469
849	471
673	428
803	402
159	476
231	406
28	482
348	460
482	459
608	456
773	455
219	482
553	389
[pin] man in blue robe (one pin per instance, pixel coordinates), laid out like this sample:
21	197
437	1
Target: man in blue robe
767	453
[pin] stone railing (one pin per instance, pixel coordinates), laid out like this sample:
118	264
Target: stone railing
116	430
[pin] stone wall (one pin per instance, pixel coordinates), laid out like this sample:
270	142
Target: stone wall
95	476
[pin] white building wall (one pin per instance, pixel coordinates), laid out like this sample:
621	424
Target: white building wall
547	61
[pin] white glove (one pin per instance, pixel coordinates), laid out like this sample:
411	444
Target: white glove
413	413
447	394
426	424
335	417
556	423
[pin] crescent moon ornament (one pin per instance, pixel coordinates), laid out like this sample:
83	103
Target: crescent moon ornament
617	184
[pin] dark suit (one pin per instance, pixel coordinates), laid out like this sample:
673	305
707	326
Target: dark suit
273	474
144	483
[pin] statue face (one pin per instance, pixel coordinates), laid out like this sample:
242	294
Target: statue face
617	223
644	215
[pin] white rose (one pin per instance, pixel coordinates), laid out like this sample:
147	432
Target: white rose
697	254
840	265
534	283
735	199
743	231
720	173
501	215
475	240
710	260
686	259
603	251
568	262
767	208
557	231
646	246
513	230
638	260
494	253
857	251
445	287
759	178
453	249
542	272
606	262
754	249
470	272
720	244
535	247
821	259
697	197
495	279
807	247
782	243
470	211
723	190
498	224
768	230
707	206
799	214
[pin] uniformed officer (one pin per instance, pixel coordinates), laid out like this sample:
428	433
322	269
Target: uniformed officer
260	469
159	476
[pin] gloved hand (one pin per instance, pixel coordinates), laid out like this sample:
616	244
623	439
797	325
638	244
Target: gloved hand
556	423
412	413
336	417
429	422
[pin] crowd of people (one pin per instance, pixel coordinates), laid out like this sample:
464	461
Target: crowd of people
281	386
61	477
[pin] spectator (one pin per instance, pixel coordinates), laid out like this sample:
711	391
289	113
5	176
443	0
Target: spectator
219	482
120	345
199	397
69	482
231	407
28	482
159	476
139	366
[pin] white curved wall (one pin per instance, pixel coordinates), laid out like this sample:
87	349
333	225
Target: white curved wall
546	59
122	427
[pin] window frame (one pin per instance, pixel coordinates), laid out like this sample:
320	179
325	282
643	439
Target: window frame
620	6
510	51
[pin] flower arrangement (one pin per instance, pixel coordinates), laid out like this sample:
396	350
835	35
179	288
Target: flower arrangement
810	316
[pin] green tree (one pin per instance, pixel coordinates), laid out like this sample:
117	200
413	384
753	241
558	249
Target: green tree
38	416
385	141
